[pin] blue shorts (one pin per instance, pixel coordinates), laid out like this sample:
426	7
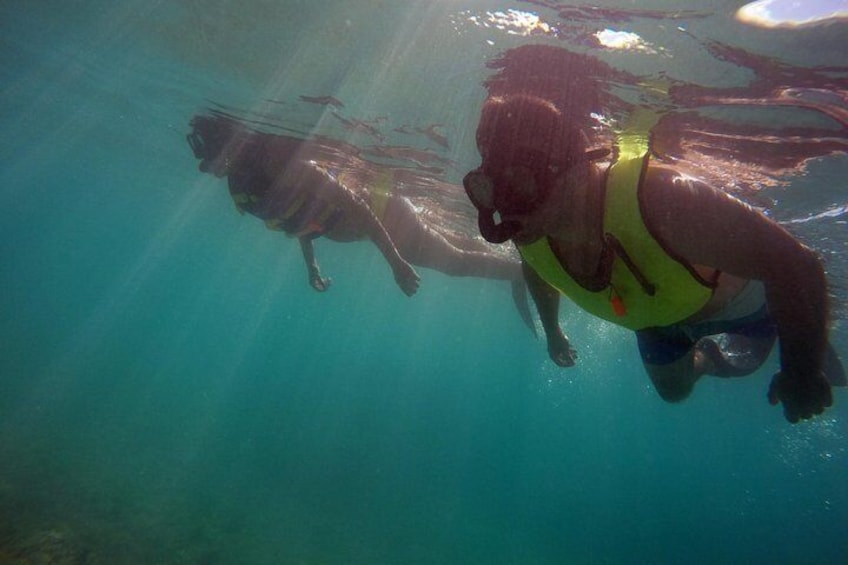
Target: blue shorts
664	345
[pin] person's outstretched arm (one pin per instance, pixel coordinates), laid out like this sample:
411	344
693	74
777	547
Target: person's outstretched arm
709	227
357	212
546	298
315	279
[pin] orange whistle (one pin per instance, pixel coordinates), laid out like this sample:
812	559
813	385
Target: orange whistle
618	306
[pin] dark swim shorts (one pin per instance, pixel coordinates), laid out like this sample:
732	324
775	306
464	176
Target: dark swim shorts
660	346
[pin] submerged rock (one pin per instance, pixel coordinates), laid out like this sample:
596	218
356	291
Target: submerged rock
48	547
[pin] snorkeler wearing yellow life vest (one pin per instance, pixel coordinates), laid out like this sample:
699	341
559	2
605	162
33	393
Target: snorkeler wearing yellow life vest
707	282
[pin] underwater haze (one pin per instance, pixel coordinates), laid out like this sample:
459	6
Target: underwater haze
172	391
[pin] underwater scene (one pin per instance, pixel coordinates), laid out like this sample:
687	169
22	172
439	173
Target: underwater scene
190	374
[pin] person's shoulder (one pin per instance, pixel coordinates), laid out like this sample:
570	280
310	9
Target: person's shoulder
677	204
663	177
710	227
664	189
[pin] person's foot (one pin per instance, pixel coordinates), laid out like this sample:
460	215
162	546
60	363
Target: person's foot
728	355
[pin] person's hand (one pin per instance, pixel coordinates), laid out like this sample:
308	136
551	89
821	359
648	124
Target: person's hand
319	283
802	397
561	352
406	278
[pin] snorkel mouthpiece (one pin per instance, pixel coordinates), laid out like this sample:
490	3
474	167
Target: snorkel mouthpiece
496	233
480	190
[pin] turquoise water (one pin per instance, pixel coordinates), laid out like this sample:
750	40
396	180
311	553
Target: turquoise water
172	391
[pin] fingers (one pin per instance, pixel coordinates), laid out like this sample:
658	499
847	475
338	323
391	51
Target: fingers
790	415
828	400
409	288
773	397
320	284
408	282
795	414
801	400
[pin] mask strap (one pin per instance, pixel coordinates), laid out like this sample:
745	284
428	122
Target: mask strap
597	153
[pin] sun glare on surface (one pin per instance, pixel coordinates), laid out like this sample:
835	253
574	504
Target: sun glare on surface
792	13
513	22
623	41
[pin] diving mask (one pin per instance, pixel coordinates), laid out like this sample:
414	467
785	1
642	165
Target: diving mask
195	141
519	190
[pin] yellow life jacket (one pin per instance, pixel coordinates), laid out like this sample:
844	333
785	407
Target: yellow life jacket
381	191
648	287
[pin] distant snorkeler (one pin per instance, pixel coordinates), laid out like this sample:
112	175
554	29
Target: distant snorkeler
293	186
707	282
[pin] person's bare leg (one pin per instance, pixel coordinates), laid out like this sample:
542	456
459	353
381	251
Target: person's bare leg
675	381
424	246
731	355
